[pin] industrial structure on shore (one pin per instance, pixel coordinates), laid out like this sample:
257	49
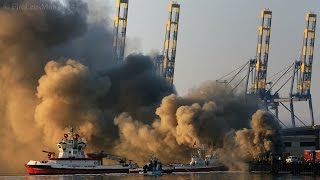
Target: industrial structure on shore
164	63
257	68
296	139
120	25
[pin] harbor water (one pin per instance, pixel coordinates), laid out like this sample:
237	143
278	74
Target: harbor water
195	176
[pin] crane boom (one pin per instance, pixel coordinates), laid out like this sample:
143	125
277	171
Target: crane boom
170	45
303	68
307	55
120	23
262	53
258	66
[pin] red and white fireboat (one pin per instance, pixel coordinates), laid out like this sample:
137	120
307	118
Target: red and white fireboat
72	160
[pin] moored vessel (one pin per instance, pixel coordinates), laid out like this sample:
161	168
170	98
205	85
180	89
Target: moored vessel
72	160
200	163
153	167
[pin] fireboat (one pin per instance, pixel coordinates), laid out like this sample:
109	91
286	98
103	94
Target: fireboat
200	163
72	160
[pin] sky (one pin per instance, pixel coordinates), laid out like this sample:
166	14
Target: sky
217	36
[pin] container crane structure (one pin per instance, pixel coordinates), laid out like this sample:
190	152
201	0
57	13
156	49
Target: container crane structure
301	78
256	76
257	71
166	66
158	62
120	25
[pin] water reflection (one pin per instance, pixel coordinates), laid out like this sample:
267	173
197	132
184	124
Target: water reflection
199	176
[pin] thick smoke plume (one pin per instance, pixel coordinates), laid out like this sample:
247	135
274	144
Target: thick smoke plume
67	96
262	139
25	37
56	71
44	91
207	116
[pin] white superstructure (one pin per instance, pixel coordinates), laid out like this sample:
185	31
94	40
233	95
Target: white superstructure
72	160
71	146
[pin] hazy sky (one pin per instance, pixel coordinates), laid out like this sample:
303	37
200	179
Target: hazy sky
216	36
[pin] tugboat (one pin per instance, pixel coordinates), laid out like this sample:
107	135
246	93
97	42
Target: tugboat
152	168
72	160
199	163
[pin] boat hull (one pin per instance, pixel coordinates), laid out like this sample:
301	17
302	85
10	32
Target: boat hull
151	173
139	170
48	170
195	169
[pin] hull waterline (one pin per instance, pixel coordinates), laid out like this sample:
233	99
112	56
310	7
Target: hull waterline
48	170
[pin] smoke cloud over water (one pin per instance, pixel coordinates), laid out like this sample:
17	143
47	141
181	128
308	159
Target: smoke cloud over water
248	144
220	121
56	71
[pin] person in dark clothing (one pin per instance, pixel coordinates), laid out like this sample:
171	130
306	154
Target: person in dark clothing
145	168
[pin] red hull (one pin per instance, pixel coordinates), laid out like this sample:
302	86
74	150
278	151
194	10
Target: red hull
47	170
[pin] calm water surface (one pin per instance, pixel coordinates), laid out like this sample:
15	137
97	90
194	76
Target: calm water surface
202	176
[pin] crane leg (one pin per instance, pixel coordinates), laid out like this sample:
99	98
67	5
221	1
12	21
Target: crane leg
311	111
292	113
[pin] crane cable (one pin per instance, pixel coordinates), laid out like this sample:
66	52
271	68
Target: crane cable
240	81
232	71
286	81
294	114
278	119
281	77
241	70
277	73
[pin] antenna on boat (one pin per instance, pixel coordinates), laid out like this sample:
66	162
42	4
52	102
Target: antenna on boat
70	125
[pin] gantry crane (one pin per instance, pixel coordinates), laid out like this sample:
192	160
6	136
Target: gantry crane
257	71
260	63
303	70
170	45
256	83
120	24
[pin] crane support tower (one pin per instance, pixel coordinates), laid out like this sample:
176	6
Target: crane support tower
262	54
120	24
303	68
170	45
257	71
158	62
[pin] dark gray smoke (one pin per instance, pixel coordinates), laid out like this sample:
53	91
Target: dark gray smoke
44	91
92	48
56	71
230	111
